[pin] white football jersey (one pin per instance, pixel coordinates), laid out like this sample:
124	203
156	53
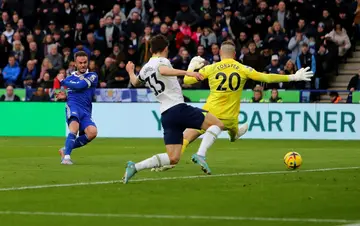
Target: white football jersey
167	89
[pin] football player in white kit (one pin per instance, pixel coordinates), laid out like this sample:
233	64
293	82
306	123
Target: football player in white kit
176	116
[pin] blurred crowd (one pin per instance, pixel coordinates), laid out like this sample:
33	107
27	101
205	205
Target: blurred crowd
39	38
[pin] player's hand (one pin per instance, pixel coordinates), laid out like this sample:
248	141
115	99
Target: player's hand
60	77
196	75
196	63
130	67
303	74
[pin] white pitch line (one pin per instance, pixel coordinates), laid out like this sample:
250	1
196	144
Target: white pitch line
173	178
155	216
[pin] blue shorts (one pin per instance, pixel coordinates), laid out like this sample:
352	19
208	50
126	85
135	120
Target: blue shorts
84	118
178	118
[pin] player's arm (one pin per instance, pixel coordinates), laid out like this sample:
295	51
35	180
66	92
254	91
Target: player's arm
301	75
168	71
135	80
74	84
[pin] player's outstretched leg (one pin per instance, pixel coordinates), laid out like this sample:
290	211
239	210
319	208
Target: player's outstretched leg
213	127
189	136
82	140
172	157
69	143
235	135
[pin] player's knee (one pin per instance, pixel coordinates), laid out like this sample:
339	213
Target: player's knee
220	125
91	133
174	159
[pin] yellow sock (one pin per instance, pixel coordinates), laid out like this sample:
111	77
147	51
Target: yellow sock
185	144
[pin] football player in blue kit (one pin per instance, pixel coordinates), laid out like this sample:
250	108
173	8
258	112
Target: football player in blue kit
81	86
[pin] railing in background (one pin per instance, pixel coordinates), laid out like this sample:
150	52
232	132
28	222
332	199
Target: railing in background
307	96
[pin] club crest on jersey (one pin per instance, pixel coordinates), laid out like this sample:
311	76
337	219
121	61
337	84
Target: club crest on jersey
81	77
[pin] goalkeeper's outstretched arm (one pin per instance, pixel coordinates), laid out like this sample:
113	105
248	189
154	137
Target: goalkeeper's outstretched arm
304	74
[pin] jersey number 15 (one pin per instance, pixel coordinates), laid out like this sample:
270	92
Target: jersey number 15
154	84
223	78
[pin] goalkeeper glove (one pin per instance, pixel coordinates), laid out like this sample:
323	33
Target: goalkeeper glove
303	74
196	63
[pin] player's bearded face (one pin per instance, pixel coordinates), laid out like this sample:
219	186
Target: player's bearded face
82	64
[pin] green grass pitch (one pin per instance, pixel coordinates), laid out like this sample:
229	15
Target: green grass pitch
250	184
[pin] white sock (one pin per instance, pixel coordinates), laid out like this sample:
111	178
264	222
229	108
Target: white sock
67	157
155	161
209	138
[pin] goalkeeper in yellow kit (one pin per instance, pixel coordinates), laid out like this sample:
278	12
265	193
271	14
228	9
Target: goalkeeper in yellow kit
226	80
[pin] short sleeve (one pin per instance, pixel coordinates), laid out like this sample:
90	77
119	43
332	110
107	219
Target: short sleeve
164	62
141	76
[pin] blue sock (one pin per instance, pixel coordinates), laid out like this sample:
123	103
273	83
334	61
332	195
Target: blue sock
81	141
69	143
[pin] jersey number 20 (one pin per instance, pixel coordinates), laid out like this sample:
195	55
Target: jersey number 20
231	78
154	83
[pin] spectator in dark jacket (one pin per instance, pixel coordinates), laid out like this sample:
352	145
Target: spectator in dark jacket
188	15
107	73
29	71
283	16
5	49
87	18
9	95
354	83
40	96
306	59
277	39
274	68
232	23
135	25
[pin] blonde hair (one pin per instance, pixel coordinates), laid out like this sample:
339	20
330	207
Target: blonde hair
277	23
48	61
294	66
21	45
228	47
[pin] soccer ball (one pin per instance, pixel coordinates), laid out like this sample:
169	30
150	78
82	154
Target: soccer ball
292	160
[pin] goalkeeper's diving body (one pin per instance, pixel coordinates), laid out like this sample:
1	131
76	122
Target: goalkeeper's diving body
226	80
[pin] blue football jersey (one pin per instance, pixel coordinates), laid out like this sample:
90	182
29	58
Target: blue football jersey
81	89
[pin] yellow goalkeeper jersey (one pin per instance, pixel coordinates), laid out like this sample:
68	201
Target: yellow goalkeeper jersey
226	80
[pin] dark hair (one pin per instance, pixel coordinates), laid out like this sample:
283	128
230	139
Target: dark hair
334	94
80	54
158	43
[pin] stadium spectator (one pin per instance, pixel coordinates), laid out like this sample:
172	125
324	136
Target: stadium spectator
69	14
274	68
305	59
119	24
93	67
339	36
232	23
121	77
29	73
79	33
327	21
295	44
5	49
290	69
275	97
208	38
34	55
11	72
40	96
55	58
188	15
9	32
215	53
9	95
116	11
283	16
277	39
144	48
107	73
134	24
334	97
242	41
87	18
258	96
356	21
253	58
46	67
46	83
67	57
354	83
4	21
79	46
